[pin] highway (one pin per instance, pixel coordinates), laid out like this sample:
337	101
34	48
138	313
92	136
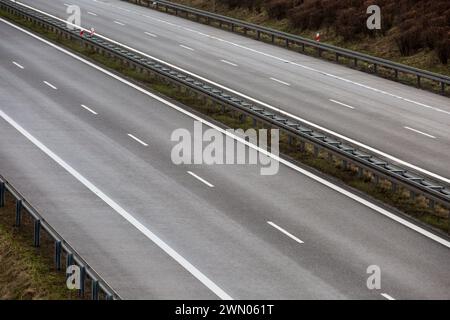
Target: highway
403	124
91	152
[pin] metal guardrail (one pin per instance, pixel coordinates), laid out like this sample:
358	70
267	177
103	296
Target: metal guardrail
290	39
433	191
98	285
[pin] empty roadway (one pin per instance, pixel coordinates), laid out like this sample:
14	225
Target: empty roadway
381	111
254	237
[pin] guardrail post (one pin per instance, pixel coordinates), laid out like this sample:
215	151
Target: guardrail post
443	87
37	232
396	74
82	280
18	212
418	82
94	290
355	62
344	164
58	255
290	140
69	259
287	43
316	151
360	172
232	27
394	187
273	38
301	146
2	194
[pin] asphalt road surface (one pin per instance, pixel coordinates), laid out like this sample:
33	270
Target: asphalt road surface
403	124
92	153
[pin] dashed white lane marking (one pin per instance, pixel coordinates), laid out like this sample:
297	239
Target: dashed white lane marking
50	85
230	63
338	135
285	232
186	47
92	14
200	179
121	211
67	5
89	109
423	133
342	104
387	296
279	81
288	164
18	65
119	23
137	139
271	56
151	34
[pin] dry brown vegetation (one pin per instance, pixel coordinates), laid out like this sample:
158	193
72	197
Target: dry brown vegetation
415	32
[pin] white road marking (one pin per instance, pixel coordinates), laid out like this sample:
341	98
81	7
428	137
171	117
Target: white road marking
151	34
200	179
311	175
274	57
67	5
18	65
50	85
186	47
92	14
342	104
89	109
119	23
279	81
353	141
387	296
230	63
285	232
137	139
417	131
121	211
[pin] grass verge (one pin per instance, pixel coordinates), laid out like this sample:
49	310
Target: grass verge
27	272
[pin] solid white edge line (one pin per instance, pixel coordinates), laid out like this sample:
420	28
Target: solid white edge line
186	47
387	296
18	65
342	104
150	34
279	81
137	139
50	85
360	144
92	14
327	183
89	109
119	23
200	179
285	232
423	133
116	207
230	63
